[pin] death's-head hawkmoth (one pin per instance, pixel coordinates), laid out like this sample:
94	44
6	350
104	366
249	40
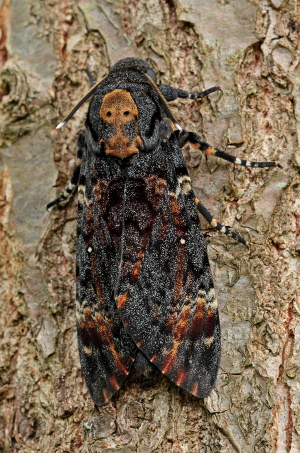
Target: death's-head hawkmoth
145	292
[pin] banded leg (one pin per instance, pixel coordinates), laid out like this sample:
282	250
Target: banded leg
186	188
215	224
197	142
75	176
91	77
171	93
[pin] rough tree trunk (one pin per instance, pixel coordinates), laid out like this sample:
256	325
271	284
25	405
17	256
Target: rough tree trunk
250	49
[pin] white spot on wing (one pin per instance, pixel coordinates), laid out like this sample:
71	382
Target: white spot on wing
208	341
87	350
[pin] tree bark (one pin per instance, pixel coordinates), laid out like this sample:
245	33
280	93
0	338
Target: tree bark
251	50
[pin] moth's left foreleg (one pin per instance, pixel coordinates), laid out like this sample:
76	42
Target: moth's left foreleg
197	142
64	196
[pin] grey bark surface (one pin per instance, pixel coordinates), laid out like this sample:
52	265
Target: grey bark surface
251	50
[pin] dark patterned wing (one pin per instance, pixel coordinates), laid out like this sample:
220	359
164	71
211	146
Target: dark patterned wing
165	291
105	347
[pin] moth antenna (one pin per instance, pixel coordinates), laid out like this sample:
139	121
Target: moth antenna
74	110
164	103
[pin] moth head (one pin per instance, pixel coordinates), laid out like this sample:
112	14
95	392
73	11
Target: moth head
127	70
122	66
136	64
131	63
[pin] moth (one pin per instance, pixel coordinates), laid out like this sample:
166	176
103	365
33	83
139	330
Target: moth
144	288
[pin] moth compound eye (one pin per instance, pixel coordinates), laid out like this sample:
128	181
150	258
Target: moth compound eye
108	113
126	113
151	74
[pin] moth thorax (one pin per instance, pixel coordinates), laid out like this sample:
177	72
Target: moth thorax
120	133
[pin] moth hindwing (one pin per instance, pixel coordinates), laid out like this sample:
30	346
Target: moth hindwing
145	292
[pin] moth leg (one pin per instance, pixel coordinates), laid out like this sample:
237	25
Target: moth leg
75	175
171	93
197	142
215	224
91	77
